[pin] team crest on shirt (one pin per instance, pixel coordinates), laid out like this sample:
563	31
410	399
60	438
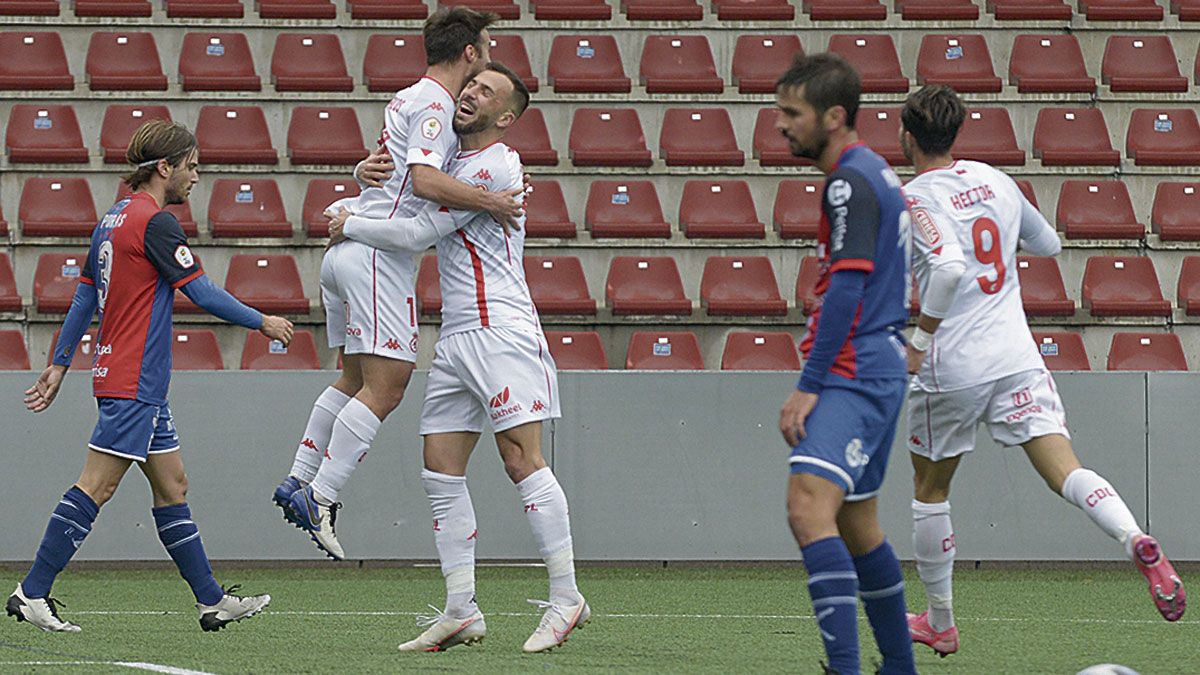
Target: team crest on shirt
183	256
839	192
431	128
929	229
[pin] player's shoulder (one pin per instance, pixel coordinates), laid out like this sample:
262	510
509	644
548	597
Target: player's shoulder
495	167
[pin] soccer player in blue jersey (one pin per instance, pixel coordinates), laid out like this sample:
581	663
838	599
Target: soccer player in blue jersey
841	419
139	255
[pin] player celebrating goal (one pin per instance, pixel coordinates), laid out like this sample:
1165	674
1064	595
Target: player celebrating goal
138	255
981	365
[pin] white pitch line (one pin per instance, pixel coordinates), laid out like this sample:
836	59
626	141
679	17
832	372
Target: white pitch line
136	665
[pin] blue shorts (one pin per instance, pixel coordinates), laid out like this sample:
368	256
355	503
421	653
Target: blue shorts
850	434
133	430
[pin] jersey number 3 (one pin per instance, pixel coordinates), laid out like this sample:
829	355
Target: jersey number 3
989	255
104	265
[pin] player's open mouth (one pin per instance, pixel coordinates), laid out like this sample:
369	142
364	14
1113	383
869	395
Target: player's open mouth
465	109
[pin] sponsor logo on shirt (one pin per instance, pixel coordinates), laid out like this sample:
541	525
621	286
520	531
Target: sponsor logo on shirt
183	256
482	174
431	128
928	228
839	192
104	350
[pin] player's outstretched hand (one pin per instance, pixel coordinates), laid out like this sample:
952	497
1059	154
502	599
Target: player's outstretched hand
377	168
795	411
915	359
42	393
277	328
505	207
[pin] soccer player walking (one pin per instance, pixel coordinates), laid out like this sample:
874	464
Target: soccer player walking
138	256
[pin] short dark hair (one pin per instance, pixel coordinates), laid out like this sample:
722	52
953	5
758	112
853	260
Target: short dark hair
449	30
156	140
828	81
520	91
933	115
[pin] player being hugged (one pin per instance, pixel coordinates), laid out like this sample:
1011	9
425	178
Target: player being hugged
139	255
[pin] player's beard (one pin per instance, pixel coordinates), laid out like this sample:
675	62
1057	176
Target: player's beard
476	125
176	193
814	148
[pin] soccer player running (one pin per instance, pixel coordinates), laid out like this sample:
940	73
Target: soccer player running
841	419
138	256
982	365
368	293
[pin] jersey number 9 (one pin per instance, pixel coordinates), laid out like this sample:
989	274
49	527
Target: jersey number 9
991	255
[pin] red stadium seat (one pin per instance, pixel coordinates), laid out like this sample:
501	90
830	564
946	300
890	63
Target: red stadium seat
325	135
1123	286
309	62
296	9
43	134
31	60
587	64
645	285
13	355
679	64
758	61
205	9
234	135
546	212
571	10
760	351
740	286
85	351
879	128
120	121
321	193
1030	10
1097	209
719	208
1187	291
124	61
429	288
608	137
662	350
247	207
937	10
10	299
262	353
1176	212
54	281
393	62
797	213
699	137
1073	137
217	62
624	209
268	283
959	61
195	350
1042	289
117	8
1121	10
987	136
662	10
510	50
1062	351
57	207
754	10
1146	351
806	283
29	7
507	9
875	58
558	286
388	9
182	212
1187	10
530	138
1163	137
845	10
1027	190
770	147
1048	64
1141	63
580	350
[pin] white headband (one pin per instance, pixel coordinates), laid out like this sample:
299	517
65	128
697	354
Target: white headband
152	162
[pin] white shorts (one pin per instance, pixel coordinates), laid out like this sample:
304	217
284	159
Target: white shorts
1017	409
370	306
498	376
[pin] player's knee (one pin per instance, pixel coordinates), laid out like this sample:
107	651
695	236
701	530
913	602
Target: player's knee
520	466
99	490
807	516
930	489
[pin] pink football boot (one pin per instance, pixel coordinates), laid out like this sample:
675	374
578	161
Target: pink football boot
1165	585
944	643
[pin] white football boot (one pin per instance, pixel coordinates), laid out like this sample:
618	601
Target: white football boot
557	623
41	612
230	608
445	631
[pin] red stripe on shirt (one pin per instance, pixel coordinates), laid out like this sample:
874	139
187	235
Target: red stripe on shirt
400	194
859	264
189	278
85	280
480	288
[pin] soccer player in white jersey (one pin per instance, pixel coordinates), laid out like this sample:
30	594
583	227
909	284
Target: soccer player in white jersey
976	362
492	367
368	293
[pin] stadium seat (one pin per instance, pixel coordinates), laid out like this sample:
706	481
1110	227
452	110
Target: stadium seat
57	207
608	137
740	286
1097	209
44	134
393	62
113	8
309	62
182	212
120	121
205	9
1186	10
806	283
797	213
679	64
754	10
1030	10
234	135
296	9
510	50
645	285
845	10
1187	292
1146	351
577	350
247	207
124	61
1042	289
55	279
879	128
13	355
1048	64
325	135
1073	137
699	137
1121	10
959	61
546	212
1026	189
429	288
506	9
31	60
1163	137
662	10
1123	286
321	193
1175	215
625	209
770	147
29	7
937	10
558	286
875	58
759	59
571	10
987	136
719	208
587	64
663	350
1062	351
530	138
1141	63
195	350
217	62
268	283
263	353
388	9
85	351
10	299
763	350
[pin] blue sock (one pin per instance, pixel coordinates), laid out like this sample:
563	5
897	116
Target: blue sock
69	524
833	586
881	586
182	540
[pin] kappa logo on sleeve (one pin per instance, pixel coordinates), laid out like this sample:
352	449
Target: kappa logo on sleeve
183	256
431	128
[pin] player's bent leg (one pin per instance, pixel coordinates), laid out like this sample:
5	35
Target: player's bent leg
934	549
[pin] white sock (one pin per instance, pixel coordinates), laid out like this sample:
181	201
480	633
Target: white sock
1099	500
311	450
454	533
353	432
933	547
546	506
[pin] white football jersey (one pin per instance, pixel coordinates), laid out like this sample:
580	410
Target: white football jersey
972	210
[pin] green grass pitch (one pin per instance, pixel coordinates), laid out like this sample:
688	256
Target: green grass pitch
646	618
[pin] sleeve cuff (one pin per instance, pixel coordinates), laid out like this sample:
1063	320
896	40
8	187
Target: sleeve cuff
85	280
809	384
188	279
859	264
